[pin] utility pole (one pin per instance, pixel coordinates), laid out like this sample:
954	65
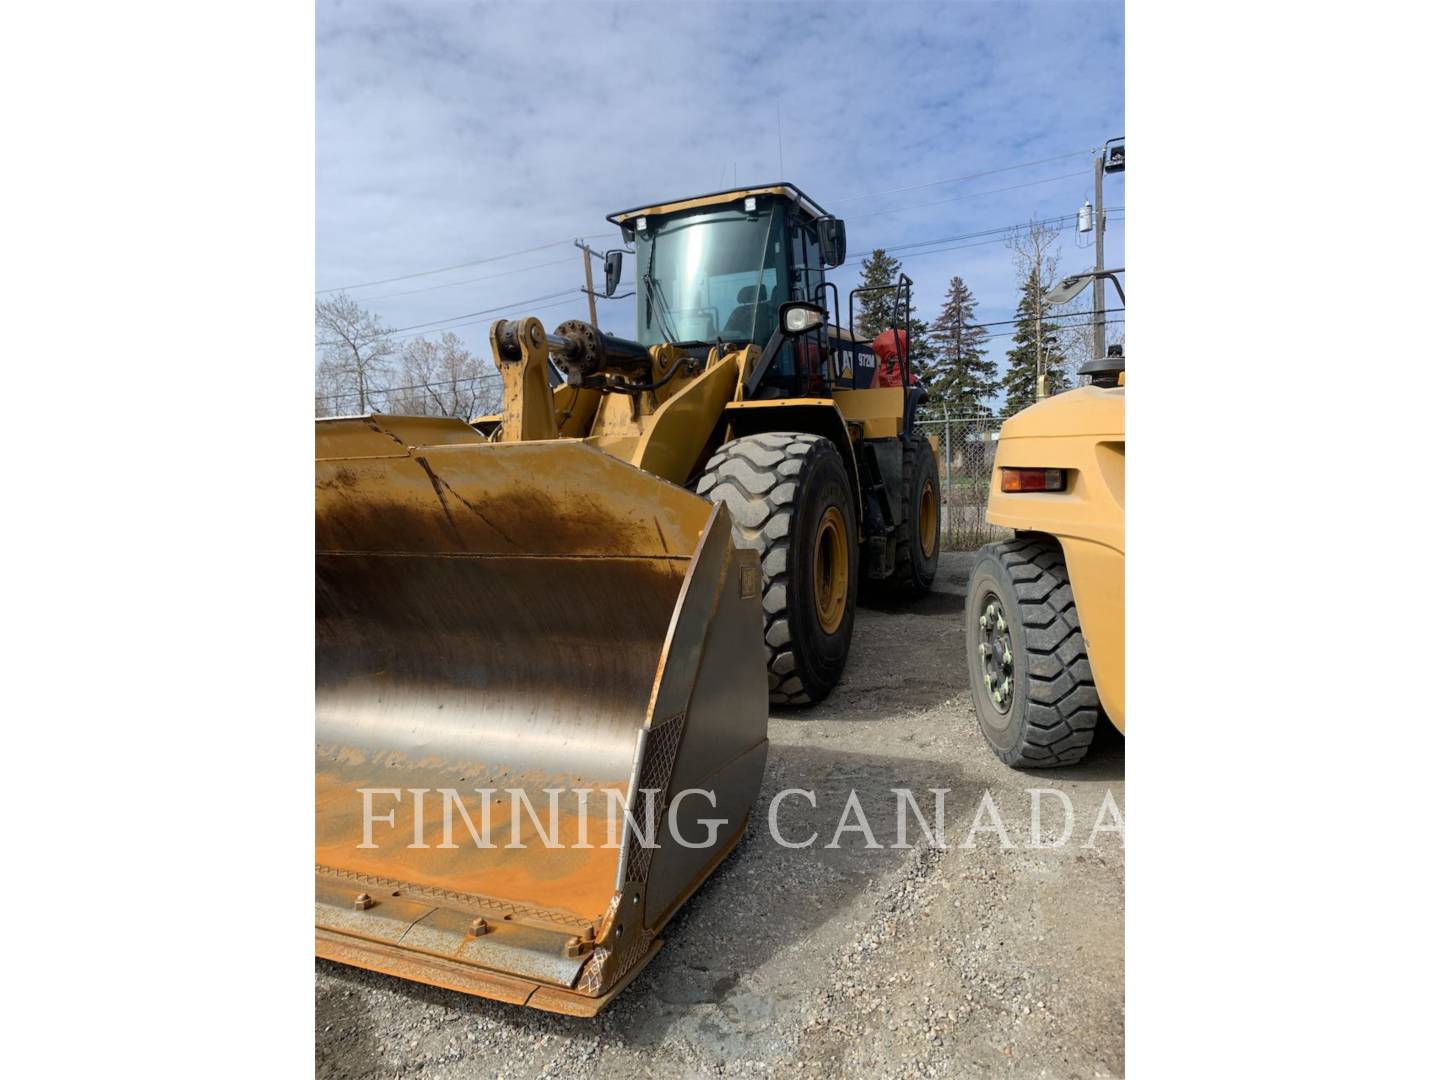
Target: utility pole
1039	342
589	281
1097	286
1111	159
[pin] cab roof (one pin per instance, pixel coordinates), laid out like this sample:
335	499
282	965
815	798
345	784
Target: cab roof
806	205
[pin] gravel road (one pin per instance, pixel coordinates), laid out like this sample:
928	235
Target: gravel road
967	961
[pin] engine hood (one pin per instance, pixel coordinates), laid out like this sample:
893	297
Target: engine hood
1089	410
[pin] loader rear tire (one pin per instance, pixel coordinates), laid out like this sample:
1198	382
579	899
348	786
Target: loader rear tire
789	499
1048	705
917	548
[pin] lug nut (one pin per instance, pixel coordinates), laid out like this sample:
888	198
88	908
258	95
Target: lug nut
984	650
479	928
987	680
364	902
1000	623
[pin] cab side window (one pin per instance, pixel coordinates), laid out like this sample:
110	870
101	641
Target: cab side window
806	272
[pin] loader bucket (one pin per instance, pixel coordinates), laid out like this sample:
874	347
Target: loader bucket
515	642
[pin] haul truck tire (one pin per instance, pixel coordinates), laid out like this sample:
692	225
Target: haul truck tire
790	500
917	550
1029	674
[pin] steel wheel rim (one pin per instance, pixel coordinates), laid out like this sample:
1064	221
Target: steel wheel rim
997	652
832	570
929	520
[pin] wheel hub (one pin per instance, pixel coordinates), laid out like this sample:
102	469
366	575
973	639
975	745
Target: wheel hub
997	661
832	570
929	520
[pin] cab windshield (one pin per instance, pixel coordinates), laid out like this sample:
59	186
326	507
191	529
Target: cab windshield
711	275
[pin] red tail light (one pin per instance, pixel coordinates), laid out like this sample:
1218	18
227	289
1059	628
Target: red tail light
1032	479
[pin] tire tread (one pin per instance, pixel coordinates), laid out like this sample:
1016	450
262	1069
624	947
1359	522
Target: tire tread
1063	706
755	476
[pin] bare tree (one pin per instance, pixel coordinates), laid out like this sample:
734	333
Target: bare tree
1036	257
1077	339
1076	336
1030	252
443	379
356	353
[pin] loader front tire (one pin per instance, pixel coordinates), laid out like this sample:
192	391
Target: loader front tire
1033	690
790	500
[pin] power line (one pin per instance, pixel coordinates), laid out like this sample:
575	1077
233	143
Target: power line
1003	235
991	235
483	311
457	266
1011	322
848	198
529	306
981	238
959	179
442	269
1005	230
465	281
972	195
452	318
999	232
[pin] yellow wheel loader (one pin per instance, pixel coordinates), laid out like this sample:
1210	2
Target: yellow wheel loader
1045	612
548	639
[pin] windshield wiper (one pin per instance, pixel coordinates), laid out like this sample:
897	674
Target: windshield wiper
653	293
657	301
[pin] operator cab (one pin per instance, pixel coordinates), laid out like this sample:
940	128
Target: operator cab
714	269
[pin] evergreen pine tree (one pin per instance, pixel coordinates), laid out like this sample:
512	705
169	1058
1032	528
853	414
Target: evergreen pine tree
924	359
877	312
1019	380
877	309
963	380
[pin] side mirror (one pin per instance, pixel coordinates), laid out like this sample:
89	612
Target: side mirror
800	317
613	262
832	240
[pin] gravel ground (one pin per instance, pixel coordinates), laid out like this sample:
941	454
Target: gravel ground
977	960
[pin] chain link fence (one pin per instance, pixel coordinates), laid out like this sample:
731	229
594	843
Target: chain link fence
965	451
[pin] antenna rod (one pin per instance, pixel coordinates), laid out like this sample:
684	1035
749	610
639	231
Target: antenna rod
780	140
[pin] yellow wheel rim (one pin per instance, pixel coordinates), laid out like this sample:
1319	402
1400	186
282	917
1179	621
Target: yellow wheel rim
832	570
929	520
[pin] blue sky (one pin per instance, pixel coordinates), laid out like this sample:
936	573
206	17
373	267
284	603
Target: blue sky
448	133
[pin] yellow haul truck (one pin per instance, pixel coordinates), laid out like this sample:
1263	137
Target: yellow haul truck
1045	612
591	598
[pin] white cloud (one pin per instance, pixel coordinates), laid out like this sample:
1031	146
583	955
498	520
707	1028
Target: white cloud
448	132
